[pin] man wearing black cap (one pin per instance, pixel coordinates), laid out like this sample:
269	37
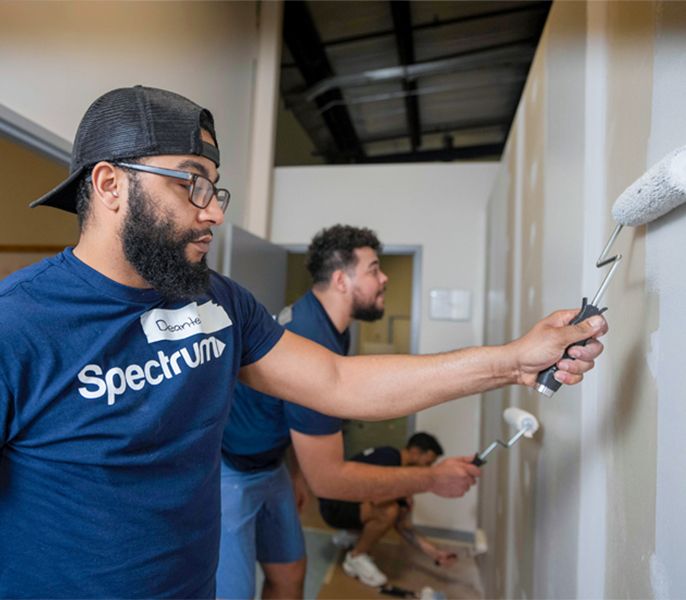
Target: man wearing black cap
118	360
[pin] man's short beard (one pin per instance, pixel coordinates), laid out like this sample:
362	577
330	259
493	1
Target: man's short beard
157	250
366	313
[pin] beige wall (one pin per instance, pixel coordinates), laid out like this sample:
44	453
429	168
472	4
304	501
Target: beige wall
591	507
57	57
27	175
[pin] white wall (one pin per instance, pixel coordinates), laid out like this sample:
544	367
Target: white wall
440	207
57	57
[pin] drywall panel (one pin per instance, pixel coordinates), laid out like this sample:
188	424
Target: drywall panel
57	57
537	505
561	224
439	207
497	316
666	287
629	387
609	497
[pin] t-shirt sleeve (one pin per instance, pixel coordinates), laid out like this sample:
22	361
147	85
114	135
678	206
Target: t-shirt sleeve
310	422
259	330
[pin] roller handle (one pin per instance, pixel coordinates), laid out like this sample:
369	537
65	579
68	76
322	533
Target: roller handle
547	384
478	461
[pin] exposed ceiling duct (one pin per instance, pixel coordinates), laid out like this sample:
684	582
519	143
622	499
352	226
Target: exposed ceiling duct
403	80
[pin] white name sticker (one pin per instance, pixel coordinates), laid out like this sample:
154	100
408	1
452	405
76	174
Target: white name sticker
181	323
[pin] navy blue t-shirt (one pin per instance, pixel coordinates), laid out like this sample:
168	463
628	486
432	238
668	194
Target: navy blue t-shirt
257	432
112	406
384	456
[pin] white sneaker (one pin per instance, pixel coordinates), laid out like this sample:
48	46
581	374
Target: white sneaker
344	539
362	566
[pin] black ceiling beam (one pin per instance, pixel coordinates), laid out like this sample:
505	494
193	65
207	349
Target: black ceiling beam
302	38
441	155
529	6
402	24
474	125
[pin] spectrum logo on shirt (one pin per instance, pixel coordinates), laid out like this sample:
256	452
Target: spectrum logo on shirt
181	323
98	382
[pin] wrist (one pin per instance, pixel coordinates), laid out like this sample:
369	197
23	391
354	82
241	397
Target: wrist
429	480
506	365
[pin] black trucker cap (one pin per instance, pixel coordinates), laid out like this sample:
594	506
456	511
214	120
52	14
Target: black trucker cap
131	123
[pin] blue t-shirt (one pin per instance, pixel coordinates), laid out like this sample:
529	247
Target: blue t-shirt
112	406
257	432
383	456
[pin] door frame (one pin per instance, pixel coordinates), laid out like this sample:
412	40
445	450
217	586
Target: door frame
415	251
33	136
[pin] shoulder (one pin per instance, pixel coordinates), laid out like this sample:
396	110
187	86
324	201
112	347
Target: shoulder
26	304
229	293
225	285
14	283
305	317
26	292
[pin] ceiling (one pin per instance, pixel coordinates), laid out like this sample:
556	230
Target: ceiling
407	80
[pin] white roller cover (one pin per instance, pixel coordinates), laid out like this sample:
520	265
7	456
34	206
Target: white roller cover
520	419
660	189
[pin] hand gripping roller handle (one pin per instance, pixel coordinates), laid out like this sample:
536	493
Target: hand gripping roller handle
546	383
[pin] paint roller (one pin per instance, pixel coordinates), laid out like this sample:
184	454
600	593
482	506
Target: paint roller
658	191
525	424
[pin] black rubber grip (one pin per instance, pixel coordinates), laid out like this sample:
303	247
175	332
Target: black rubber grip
547	377
478	461
398	592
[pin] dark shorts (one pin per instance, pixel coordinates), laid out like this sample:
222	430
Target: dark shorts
340	514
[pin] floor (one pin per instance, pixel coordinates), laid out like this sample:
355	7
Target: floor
405	567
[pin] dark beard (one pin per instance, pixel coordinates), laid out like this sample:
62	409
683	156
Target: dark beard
367	313
158	251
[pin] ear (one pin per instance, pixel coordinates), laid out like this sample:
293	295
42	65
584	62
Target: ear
109	184
340	281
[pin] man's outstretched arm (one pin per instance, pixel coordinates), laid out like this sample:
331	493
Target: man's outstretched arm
383	387
330	476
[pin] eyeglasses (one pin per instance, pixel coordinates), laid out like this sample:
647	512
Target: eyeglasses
201	189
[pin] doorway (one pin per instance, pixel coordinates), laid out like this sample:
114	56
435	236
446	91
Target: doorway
395	333
34	160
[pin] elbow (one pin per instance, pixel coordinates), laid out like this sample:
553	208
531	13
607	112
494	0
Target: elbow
321	490
323	486
331	490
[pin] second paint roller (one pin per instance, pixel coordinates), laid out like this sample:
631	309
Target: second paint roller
658	191
526	425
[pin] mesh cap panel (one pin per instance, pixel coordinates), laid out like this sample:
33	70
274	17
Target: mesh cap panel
130	123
